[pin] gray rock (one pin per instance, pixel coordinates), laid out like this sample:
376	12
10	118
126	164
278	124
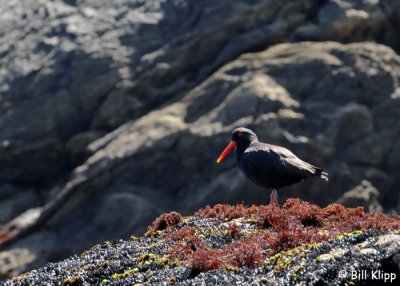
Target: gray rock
173	149
28	252
364	195
390	244
78	143
354	122
334	254
14	201
16	260
163	88
80	66
395	153
396	260
123	214
371	151
229	187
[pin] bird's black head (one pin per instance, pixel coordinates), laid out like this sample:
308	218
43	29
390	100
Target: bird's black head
243	137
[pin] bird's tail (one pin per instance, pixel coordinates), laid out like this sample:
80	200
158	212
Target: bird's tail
323	175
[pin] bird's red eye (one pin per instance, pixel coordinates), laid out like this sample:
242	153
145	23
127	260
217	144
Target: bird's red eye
240	134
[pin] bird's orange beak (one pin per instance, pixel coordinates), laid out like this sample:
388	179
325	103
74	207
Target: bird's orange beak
226	151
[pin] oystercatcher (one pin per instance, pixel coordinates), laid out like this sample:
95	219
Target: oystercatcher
268	166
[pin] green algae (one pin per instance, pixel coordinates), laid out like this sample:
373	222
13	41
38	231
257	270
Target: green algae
285	259
125	274
349	234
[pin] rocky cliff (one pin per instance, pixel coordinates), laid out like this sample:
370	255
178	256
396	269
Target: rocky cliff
112	112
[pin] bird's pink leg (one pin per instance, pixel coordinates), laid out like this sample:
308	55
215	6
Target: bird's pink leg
273	197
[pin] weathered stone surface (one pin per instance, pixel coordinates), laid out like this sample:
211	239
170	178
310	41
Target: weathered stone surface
35	249
129	213
390	244
365	195
14	201
79	66
142	95
173	149
78	143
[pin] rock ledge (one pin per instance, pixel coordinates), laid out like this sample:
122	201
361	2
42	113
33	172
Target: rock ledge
237	245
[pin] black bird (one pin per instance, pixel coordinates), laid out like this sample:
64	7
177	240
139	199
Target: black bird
268	166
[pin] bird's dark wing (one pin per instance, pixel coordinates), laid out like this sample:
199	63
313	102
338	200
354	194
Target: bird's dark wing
293	163
302	167
274	166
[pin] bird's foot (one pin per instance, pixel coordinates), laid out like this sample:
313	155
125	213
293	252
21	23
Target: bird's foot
273	197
